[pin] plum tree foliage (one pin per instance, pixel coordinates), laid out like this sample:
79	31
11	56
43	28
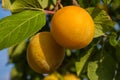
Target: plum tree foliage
98	61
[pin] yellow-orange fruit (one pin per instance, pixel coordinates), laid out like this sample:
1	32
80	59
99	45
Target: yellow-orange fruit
44	55
71	77
72	27
53	76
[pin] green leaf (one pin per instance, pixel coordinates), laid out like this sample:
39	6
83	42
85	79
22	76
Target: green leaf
81	3
117	77
112	39
15	73
87	3
117	52
15	52
79	65
103	22
92	67
68	52
103	69
20	5
115	4
106	2
43	3
98	31
6	4
47	3
20	26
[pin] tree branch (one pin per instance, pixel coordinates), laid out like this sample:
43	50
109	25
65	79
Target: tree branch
75	3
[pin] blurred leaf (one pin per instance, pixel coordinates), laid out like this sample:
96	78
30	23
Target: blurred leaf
103	69
115	10
66	2
68	52
15	74
47	3
79	65
103	7
92	67
53	76
108	25
102	20
43	3
6	4
98	31
112	39
117	49
18	27
117	77
115	4
19	48
15	52
81	3
20	5
12	1
88	3
106	2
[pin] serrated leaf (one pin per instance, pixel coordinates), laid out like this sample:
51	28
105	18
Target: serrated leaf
103	69
18	27
79	65
98	15
112	39
20	5
103	22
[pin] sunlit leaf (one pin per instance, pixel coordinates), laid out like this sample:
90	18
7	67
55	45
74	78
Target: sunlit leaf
112	39
43	3
98	31
20	5
102	20
18	27
15	73
103	69
92	67
47	3
6	4
79	65
16	51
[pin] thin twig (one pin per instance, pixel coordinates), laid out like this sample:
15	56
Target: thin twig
57	5
75	3
49	12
